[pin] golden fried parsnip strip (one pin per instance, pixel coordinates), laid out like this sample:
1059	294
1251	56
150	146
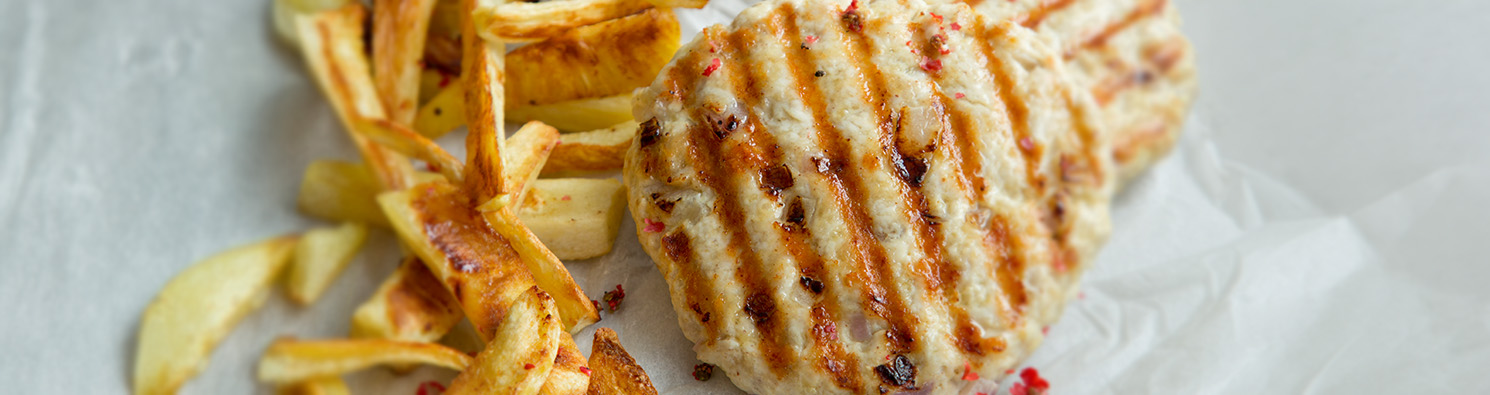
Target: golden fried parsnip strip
320	256
197	308
523	21
411	305
596	150
408	142
613	371
604	59
547	270
482	64
399	31
289	360
345	191
527	151
570	375
695	4
479	267
332	44
521	352
444	112
577	115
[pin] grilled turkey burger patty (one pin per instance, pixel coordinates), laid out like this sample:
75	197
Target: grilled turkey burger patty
869	197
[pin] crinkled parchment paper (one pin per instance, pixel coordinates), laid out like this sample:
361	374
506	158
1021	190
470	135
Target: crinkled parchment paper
1316	230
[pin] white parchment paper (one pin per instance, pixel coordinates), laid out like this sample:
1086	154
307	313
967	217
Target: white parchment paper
1317	230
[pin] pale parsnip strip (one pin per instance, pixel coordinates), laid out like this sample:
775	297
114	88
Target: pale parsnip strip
197	308
289	360
499	21
399	31
596	150
345	191
527	151
320	256
577	115
332	44
408	142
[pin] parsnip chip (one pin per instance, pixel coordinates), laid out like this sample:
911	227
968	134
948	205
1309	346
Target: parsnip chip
521	352
527	151
197	308
329	385
547	270
289	360
577	115
411	305
345	191
523	21
482	64
320	256
480	268
570	376
576	218
613	371
399	31
332	44
596	150
604	59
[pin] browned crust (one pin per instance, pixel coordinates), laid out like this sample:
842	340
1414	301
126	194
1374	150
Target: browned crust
614	372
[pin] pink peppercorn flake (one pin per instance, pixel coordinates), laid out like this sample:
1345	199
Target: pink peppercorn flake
1045	330
956	26
584	370
960	95
1031	377
430	388
810	39
932	65
967	372
613	299
938	18
653	226
1018	389
713	66
565	198
1026	144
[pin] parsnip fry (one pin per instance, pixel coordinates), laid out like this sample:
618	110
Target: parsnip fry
549	273
480	268
575	218
284	13
289	360
399	31
328	385
410	305
596	150
482	64
445	112
332	44
320	256
679	3
570	375
577	115
195	310
604	59
408	142
497	21
527	151
345	191
521	352
613	371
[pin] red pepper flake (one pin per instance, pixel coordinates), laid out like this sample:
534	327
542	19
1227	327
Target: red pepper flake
527	366
430	388
653	226
938	18
852	6
1026	144
432	167
810	39
1031	377
713	48
714	65
584	370
956	27
565	198
960	95
703	372
1009	371
444	79
594	302
967	368
1045	330
1018	389
613	299
932	65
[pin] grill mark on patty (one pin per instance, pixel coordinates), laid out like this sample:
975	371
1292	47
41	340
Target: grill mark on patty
839	364
721	170
1036	16
698	290
1009	268
965	333
904	326
1147	9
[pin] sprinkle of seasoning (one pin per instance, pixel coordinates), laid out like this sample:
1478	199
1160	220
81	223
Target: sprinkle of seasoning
851	19
613	299
819	73
932	65
811	39
430	388
653	226
967	372
956	27
703	372
527	366
960	95
714	65
584	370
